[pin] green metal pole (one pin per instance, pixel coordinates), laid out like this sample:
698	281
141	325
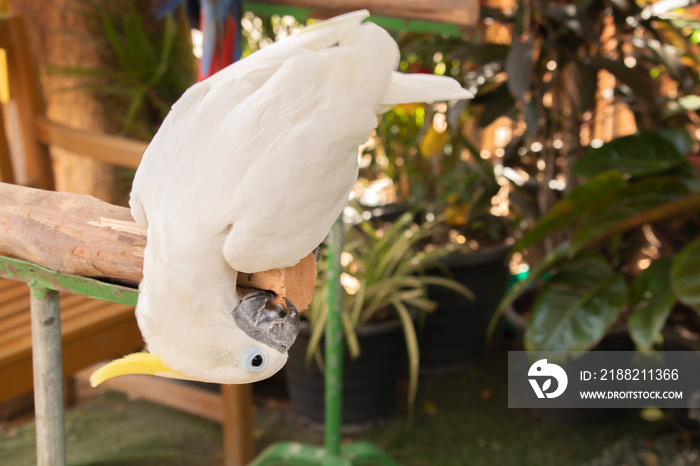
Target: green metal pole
48	376
334	344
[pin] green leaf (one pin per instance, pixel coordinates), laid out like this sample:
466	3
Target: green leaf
645	201
651	300
685	279
412	349
350	336
532	119
576	307
555	257
520	67
572	207
679	137
113	37
447	283
498	103
640	154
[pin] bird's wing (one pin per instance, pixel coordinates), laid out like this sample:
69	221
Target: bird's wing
273	142
310	166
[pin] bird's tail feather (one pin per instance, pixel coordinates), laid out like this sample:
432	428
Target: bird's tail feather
408	88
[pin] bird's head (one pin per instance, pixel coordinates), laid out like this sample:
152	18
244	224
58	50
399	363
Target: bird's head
248	345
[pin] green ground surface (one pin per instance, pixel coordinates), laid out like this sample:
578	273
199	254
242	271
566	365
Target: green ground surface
460	420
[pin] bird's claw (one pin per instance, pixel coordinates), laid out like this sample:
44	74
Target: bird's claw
266	321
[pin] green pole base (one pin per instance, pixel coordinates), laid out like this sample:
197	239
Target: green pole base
298	454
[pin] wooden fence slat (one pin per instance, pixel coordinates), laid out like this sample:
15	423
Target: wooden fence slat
459	12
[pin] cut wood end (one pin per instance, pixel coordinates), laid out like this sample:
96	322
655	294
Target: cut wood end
296	283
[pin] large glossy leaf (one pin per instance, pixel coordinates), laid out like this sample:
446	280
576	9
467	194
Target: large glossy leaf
520	67
645	201
679	137
651	300
559	254
577	306
532	119
498	103
572	207
640	154
685	276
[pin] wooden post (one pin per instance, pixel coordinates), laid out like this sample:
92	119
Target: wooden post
48	377
26	95
239	449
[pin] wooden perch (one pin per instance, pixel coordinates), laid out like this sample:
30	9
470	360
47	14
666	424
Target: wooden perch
80	235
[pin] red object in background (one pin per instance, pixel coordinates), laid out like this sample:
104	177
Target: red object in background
418	68
223	51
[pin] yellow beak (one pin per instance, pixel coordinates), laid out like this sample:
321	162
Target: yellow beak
135	363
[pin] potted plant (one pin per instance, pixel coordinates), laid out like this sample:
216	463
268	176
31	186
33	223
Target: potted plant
436	158
455	335
384	287
632	248
560	73
432	165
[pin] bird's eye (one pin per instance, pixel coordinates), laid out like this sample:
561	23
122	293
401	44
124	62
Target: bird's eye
253	359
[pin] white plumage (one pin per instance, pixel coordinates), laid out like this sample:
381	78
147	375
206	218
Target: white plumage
248	173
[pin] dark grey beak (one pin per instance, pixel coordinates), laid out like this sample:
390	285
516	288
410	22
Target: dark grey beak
267	322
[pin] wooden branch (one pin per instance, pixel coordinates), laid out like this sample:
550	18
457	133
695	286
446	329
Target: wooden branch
460	12
80	235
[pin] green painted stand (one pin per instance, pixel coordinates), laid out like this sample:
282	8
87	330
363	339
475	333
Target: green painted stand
44	285
333	453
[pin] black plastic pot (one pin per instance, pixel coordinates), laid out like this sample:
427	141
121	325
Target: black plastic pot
454	336
369	382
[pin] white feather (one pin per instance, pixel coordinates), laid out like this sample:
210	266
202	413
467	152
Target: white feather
249	171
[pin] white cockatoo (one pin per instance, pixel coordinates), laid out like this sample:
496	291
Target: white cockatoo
248	173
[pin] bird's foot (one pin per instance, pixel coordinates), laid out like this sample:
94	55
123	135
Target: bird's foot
268	322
